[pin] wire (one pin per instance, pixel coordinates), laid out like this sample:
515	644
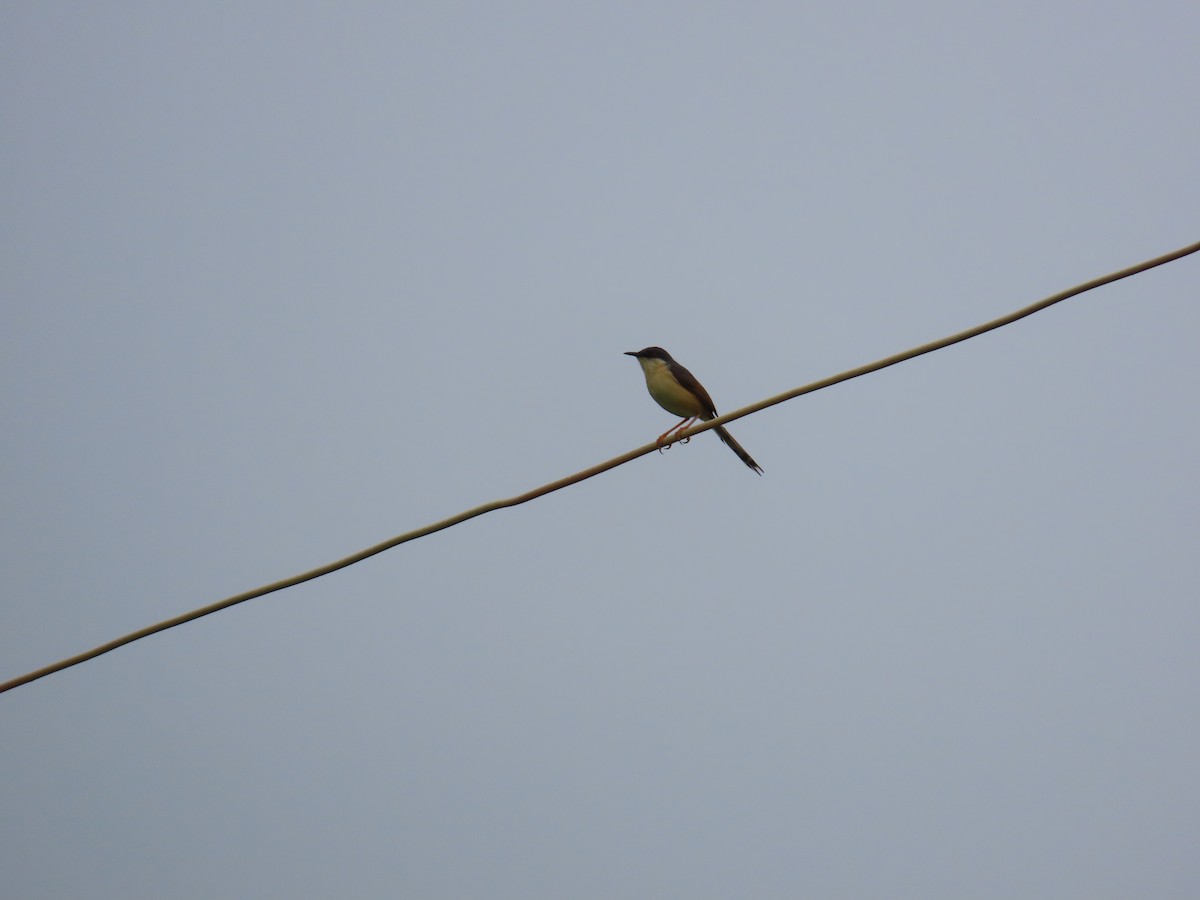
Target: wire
593	471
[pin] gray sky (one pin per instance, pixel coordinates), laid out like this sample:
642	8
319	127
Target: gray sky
283	280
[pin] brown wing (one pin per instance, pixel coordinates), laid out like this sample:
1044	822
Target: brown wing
688	380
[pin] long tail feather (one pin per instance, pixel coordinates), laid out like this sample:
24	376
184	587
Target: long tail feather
737	448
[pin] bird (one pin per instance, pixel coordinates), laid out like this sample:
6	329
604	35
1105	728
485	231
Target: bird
677	391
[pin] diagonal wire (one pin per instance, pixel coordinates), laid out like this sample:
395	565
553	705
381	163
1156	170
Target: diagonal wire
594	470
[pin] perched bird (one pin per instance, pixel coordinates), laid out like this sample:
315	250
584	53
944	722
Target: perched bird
677	391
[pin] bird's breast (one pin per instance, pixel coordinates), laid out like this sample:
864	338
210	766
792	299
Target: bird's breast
669	393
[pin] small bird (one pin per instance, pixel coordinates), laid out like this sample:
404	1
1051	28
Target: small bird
677	391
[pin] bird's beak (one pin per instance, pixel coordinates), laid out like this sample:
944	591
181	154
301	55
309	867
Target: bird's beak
631	353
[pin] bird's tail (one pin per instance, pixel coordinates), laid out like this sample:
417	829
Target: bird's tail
737	448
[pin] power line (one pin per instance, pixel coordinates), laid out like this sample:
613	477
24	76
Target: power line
596	469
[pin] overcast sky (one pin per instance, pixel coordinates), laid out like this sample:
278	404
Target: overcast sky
282	280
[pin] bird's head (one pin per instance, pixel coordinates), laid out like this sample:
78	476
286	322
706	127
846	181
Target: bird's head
650	353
